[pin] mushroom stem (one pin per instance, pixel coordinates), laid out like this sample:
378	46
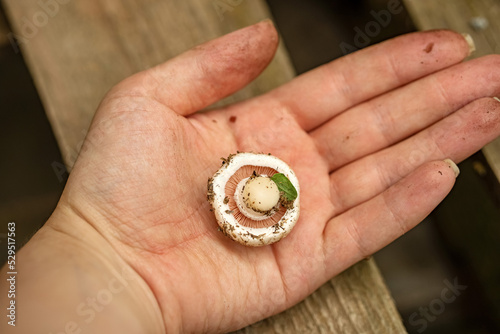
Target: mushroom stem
257	197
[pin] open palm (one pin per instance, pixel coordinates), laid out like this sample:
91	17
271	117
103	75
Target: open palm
366	136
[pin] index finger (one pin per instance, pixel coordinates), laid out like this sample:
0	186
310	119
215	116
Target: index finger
318	95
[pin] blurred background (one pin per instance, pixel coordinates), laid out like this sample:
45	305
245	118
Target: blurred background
458	245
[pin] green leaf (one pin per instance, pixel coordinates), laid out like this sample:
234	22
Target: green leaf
285	186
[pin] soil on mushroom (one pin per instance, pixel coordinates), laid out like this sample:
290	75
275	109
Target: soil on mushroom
240	174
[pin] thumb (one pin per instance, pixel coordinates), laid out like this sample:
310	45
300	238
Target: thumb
208	72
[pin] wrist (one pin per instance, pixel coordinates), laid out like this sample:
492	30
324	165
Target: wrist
70	280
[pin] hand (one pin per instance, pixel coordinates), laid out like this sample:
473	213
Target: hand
366	135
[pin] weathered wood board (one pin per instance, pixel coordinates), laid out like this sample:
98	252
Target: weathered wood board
77	50
465	16
356	301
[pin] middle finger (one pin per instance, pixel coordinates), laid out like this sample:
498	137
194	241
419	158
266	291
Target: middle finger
394	116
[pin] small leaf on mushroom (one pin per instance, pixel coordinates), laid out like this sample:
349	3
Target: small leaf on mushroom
285	186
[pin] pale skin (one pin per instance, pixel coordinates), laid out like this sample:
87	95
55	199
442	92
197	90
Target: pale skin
366	136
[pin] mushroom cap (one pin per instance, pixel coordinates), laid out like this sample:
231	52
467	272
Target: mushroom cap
229	225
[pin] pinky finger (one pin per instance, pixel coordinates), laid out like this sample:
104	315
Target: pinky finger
368	227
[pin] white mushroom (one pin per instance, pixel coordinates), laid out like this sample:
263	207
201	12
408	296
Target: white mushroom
248	204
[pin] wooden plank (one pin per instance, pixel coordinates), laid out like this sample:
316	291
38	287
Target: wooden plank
357	301
86	47
459	15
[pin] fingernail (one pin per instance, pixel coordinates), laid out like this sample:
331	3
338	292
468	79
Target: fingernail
453	166
496	98
470	41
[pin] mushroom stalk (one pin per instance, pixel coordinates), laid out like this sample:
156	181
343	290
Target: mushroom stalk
257	197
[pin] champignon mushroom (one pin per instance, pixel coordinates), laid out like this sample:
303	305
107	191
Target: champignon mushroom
250	196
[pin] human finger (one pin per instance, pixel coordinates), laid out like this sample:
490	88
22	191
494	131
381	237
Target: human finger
388	119
318	95
208	72
457	137
365	229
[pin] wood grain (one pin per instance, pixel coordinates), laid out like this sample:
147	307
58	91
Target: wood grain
88	46
457	15
356	301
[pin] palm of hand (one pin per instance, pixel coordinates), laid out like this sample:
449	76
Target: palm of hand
142	178
150	186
